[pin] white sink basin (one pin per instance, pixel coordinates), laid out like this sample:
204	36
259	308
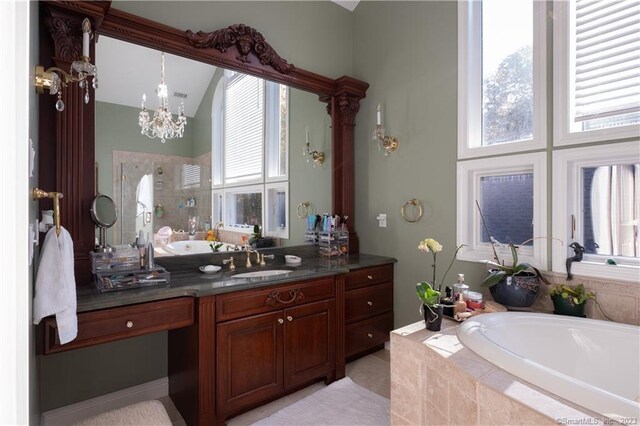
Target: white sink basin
262	274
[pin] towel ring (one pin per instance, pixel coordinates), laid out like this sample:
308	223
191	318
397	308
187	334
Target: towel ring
417	204
304	207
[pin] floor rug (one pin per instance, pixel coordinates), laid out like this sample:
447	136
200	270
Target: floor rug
342	403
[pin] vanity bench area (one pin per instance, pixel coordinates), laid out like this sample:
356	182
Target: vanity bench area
237	343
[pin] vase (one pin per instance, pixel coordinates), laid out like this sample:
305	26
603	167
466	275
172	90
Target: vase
432	317
518	291
562	306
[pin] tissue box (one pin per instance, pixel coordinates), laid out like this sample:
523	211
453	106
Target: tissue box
111	281
124	258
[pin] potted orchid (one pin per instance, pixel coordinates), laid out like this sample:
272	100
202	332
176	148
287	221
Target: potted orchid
429	292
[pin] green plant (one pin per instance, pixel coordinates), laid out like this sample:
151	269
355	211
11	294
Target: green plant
215	247
501	271
429	245
427	294
256	235
576	295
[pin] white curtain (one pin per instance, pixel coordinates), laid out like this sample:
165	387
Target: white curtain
614	208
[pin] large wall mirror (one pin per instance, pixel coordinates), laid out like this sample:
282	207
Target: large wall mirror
107	132
239	162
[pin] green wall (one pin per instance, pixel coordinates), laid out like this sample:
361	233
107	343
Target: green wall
117	129
407	52
202	119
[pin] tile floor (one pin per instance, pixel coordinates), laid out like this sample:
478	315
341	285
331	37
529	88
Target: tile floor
370	372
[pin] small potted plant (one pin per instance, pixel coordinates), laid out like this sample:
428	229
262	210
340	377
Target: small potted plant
570	300
431	306
516	285
427	292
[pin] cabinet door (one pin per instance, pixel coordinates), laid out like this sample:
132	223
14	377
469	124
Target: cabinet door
249	361
309	342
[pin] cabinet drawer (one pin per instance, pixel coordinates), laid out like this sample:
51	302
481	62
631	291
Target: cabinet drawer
250	302
368	276
368	302
119	323
367	334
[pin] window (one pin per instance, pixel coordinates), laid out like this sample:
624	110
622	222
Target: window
190	176
597	203
250	148
596	75
510	191
501	82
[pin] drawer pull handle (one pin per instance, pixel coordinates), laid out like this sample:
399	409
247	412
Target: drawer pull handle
129	324
289	318
370	335
370	303
280	321
274	297
370	277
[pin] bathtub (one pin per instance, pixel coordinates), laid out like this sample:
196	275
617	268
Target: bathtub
595	364
192	247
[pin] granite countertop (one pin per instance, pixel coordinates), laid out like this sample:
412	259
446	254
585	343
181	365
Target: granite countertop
187	280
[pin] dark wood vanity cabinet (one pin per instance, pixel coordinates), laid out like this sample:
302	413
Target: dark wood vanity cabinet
368	309
263	355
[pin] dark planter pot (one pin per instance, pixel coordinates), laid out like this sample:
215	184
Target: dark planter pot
433	317
518	291
563	306
264	242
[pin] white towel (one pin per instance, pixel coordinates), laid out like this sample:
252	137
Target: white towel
55	291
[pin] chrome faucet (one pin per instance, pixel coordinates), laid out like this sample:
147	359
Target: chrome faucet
249	250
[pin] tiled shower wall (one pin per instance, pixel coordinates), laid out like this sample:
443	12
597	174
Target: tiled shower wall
168	191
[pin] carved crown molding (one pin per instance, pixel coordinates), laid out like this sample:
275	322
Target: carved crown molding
246	40
348	107
66	33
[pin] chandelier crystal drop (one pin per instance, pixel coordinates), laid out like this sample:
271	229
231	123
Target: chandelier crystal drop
162	124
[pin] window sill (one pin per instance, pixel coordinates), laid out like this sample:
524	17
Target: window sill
601	271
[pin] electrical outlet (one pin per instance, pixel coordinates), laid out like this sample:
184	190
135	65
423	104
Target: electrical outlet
382	220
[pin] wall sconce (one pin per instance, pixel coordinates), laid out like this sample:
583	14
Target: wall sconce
54	79
316	156
388	143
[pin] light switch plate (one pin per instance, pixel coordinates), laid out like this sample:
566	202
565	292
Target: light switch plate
382	220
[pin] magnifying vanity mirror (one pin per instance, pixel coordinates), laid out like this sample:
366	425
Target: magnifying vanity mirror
104	215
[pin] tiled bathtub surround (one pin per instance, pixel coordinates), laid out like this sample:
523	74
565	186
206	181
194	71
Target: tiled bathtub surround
168	190
435	380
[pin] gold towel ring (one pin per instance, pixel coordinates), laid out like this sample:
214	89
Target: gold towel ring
305	212
416	203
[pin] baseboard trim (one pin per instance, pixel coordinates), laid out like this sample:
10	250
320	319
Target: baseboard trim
73	413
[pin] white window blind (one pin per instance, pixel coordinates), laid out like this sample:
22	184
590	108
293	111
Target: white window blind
607	58
244	129
190	176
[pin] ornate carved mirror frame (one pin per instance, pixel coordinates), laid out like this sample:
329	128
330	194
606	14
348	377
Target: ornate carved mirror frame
67	139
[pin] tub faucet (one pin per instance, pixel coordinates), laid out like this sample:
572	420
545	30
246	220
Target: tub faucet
578	251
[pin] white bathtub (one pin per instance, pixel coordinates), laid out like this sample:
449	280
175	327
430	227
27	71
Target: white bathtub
192	247
595	364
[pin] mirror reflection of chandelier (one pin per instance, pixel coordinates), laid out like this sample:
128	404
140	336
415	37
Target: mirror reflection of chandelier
162	125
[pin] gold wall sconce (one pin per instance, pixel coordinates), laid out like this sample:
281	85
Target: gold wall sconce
55	79
316	156
385	142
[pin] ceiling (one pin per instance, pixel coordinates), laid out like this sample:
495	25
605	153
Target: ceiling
126	71
347	4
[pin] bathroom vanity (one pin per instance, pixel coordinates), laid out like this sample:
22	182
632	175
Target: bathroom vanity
237	343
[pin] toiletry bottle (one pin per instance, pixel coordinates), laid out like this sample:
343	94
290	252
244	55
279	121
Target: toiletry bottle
141	244
460	287
150	260
460	305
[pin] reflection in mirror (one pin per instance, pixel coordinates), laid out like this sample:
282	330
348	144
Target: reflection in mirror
105	215
238	163
610	204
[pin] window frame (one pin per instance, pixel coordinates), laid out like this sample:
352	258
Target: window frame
468	223
470	86
567	164
269	232
562	133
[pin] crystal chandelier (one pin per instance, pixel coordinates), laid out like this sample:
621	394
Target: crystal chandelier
162	124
